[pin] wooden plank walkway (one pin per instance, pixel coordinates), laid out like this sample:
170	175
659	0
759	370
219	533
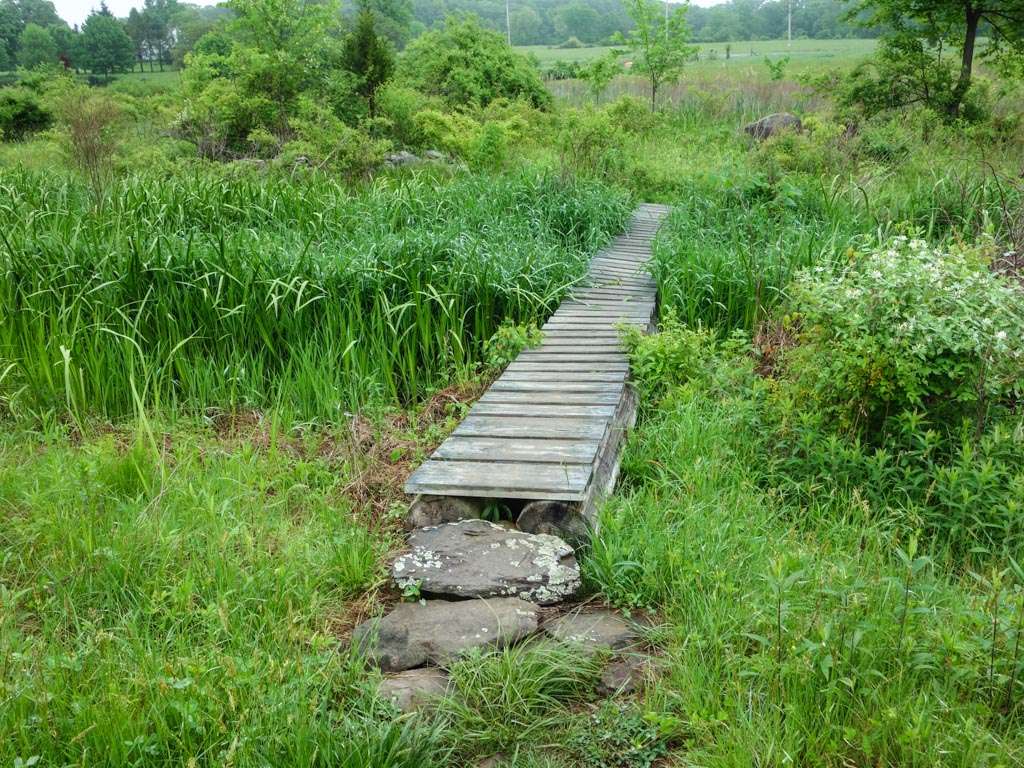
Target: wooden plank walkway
550	427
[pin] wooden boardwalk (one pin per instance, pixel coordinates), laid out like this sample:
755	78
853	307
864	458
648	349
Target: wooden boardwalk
550	427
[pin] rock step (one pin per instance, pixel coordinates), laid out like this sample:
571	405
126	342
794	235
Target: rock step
476	558
437	631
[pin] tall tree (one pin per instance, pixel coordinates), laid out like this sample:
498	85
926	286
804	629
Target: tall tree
36	47
658	42
104	47
10	29
957	23
369	56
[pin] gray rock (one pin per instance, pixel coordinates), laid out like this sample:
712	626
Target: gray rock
398	159
435	510
773	124
414	688
622	676
594	630
436	631
476	558
556	518
435	155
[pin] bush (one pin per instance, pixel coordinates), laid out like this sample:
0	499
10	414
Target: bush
907	328
326	142
668	359
590	143
468	65
572	42
21	114
400	105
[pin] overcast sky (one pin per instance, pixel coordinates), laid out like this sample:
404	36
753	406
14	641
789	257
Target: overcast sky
75	11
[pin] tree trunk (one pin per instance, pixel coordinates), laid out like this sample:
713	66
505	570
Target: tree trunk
967	63
654	93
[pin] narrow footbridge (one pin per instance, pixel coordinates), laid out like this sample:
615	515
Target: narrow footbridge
550	427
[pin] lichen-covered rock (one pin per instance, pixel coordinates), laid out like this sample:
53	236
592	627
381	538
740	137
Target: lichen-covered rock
436	631
593	630
772	124
414	688
622	676
476	558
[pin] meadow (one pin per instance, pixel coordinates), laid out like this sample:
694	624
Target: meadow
215	376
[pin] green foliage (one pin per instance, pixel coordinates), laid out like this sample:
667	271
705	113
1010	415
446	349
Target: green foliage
590	144
508	697
665	360
508	341
907	327
619	736
21	114
326	142
381	295
103	46
36	47
369	57
600	72
659	46
776	68
469	66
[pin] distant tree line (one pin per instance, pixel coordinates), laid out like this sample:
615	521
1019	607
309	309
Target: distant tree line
159	34
554	22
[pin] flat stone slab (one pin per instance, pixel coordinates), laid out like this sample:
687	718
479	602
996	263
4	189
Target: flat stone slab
414	688
437	631
595	629
622	676
476	558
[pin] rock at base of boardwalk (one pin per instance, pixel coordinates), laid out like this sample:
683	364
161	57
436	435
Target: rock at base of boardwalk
437	631
622	676
414	688
555	518
770	125
594	630
476	558
428	511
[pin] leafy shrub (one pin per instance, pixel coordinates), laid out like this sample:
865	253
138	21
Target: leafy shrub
21	114
907	327
620	736
669	358
400	105
468	65
590	144
632	114
571	42
508	341
326	142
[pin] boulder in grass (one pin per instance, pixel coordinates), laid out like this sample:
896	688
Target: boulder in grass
771	125
414	689
437	631
593	630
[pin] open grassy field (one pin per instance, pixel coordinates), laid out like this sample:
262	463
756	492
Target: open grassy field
818	52
216	373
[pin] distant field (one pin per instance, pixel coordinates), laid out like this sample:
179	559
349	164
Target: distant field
799	50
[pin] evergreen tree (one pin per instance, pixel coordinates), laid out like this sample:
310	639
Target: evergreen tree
104	47
369	56
36	47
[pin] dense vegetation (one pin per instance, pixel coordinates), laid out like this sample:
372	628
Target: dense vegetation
236	311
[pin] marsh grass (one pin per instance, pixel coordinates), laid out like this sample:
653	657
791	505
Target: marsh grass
203	290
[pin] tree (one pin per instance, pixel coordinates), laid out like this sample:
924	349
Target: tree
10	30
36	47
600	72
957	23
104	47
658	42
368	56
135	26
468	65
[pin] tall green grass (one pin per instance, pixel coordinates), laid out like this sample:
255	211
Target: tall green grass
733	243
203	290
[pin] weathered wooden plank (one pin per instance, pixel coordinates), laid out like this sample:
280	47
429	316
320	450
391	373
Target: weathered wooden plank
581	376
556	386
526	451
549	397
569	368
603	412
499	479
580	428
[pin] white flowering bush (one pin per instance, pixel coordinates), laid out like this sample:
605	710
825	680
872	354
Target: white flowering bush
908	327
